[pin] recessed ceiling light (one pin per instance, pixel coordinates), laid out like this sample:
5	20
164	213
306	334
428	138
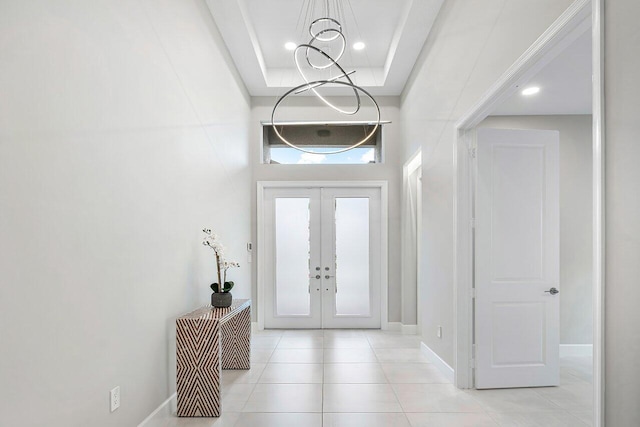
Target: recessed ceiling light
358	45
290	45
531	90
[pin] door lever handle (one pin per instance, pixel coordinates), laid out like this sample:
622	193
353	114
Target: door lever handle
553	291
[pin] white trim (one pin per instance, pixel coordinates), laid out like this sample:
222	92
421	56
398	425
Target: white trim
442	366
384	237
166	405
568	350
393	327
260	258
414	163
570	25
599	283
409	329
565	30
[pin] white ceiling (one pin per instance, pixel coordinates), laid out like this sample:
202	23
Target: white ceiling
565	85
394	32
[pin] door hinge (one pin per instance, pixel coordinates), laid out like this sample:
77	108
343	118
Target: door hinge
472	152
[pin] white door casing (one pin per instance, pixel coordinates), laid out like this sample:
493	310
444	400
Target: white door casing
517	258
320	221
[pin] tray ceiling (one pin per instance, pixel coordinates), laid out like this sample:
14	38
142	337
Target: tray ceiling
393	31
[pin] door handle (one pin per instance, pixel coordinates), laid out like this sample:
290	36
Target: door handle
553	291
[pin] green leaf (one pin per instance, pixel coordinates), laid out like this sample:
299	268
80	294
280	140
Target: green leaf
227	286
215	287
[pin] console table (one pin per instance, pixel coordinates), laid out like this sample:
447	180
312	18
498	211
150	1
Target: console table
207	340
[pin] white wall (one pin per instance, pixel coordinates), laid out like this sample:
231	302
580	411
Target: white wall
123	132
306	108
622	176
576	206
470	46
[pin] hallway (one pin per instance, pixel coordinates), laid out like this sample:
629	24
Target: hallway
360	378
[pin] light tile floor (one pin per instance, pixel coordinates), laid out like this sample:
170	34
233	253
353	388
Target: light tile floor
356	378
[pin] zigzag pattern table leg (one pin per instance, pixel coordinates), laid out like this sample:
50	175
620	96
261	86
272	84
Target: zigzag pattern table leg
236	341
208	340
198	367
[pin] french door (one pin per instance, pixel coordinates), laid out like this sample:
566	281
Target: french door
322	257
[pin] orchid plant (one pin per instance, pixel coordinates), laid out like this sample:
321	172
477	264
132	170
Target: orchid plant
211	240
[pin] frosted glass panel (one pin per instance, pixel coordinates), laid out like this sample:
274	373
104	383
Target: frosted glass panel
352	256
292	257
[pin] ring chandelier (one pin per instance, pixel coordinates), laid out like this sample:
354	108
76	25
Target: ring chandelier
323	31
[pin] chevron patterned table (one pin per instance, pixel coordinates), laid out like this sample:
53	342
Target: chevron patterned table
207	340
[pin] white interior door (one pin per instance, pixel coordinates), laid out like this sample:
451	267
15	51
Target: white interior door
322	257
517	259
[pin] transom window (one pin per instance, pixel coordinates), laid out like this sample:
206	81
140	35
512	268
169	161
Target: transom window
321	138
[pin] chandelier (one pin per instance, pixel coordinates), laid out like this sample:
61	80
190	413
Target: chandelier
326	34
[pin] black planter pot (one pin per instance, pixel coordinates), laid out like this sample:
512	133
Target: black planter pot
221	299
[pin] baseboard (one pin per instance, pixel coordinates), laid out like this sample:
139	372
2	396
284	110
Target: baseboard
393	326
159	417
399	327
438	362
409	329
568	350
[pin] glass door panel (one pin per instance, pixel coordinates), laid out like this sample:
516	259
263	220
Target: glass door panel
292	257
352	256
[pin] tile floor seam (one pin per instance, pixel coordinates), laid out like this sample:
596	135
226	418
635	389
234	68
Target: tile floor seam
535	390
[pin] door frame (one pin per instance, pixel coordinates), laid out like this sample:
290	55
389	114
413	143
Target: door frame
414	163
384	238
581	15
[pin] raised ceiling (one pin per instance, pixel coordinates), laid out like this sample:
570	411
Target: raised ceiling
393	31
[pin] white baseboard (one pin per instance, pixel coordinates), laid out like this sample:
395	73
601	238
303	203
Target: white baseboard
568	350
393	326
409	329
438	362
399	327
159	417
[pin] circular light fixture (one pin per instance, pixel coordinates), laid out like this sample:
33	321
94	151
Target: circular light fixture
290	46
331	30
531	91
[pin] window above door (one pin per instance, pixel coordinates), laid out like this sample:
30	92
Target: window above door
321	138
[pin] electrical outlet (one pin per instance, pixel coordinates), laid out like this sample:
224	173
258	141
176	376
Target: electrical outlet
114	395
439	332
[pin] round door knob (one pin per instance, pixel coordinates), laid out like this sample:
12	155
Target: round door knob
553	291
317	276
